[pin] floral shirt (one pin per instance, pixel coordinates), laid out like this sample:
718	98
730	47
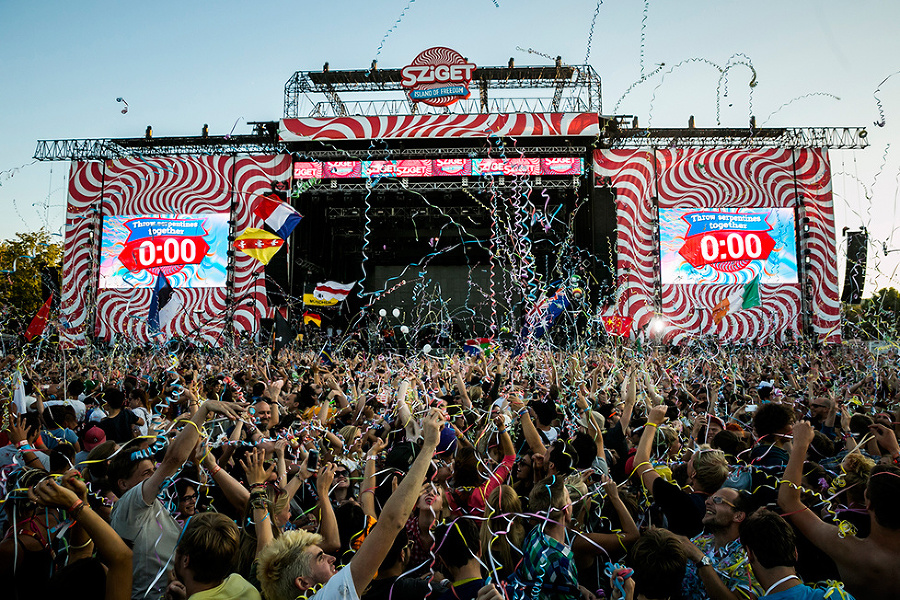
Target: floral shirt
730	562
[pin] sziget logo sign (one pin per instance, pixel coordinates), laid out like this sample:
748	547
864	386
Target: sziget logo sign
438	77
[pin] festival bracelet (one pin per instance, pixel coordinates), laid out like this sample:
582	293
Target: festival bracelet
649	424
25	448
76	508
22	443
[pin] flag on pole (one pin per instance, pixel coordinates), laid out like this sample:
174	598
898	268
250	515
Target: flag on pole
312	300
311	317
39	322
164	304
544	313
473	345
332	290
259	244
19	395
278	215
617	325
283	334
747	297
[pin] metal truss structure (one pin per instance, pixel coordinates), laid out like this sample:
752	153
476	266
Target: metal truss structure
846	138
469	106
581	81
449	151
101	149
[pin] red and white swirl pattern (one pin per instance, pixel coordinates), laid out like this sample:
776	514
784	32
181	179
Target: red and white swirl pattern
438	126
185	185
700	178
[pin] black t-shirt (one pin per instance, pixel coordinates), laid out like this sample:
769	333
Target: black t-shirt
406	588
118	428
683	511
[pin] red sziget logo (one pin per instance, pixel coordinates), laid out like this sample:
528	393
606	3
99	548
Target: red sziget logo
438	77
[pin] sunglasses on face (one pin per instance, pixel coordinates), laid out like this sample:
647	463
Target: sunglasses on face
344	474
721	500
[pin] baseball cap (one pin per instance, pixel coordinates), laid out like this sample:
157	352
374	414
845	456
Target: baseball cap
93	438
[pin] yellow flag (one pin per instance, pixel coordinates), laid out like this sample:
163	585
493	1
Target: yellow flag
311	300
259	244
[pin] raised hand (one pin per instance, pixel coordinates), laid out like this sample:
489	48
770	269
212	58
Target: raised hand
885	437
254	467
232	410
803	434
49	493
431	426
325	479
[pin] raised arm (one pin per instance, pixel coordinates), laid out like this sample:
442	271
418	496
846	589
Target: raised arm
180	448
396	511
642	464
257	475
115	553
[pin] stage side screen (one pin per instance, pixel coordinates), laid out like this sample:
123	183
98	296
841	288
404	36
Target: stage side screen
727	246
190	250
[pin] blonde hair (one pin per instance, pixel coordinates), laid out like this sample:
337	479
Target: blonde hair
501	503
711	468
349	433
283	560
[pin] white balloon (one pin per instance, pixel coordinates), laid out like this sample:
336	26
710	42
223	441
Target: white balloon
426	348
404	329
396	312
382	313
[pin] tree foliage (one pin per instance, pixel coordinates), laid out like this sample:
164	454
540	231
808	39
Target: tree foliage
875	318
29	264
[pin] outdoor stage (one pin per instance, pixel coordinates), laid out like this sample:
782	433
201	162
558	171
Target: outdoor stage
459	219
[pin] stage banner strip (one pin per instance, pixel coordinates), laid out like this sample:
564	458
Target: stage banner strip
439	126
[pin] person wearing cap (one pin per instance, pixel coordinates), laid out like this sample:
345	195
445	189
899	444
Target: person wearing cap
93	437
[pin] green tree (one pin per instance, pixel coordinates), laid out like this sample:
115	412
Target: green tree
27	264
875	318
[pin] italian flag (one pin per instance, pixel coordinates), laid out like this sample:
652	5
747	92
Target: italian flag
748	297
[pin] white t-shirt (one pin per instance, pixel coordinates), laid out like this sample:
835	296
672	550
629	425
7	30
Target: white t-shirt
153	534
339	587
78	405
144	414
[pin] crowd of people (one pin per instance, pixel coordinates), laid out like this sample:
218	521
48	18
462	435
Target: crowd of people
611	472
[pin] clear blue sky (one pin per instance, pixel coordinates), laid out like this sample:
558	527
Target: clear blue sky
182	64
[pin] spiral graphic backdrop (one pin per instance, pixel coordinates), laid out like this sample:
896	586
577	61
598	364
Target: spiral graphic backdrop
722	178
186	185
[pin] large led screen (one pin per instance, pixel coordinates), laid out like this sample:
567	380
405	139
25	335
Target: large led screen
727	246
190	250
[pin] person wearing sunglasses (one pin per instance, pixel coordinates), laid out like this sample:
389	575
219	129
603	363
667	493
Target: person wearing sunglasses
718	567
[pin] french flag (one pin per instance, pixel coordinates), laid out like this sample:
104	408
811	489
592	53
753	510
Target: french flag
278	215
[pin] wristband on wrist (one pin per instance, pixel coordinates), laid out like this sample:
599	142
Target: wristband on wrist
25	448
214	471
76	508
649	424
21	443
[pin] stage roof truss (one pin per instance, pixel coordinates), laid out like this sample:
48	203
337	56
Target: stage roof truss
835	138
581	81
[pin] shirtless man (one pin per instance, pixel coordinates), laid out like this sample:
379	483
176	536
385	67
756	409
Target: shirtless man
869	567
